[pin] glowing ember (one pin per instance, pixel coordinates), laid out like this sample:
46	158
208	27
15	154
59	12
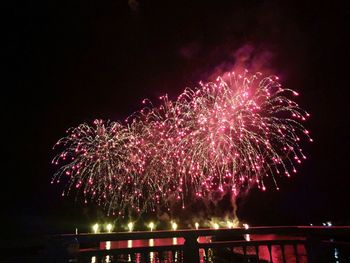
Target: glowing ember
224	136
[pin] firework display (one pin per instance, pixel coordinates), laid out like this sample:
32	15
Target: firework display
227	135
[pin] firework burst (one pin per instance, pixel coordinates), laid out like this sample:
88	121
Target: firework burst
238	131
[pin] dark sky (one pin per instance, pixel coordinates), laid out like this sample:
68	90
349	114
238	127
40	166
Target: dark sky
73	62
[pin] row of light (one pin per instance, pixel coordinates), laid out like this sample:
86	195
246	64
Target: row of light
96	227
328	223
151	226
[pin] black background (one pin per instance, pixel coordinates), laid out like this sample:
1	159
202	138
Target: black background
71	62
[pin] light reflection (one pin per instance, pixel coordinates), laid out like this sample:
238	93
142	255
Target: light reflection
108	245
336	255
129	243
93	259
174	240
151	242
108	260
202	255
247	236
151	256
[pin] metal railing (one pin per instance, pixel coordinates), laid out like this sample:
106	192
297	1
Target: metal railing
288	244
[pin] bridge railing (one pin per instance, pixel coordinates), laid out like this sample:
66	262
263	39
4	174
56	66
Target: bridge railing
296	244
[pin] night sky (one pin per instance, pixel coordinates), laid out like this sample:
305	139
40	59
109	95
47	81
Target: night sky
73	62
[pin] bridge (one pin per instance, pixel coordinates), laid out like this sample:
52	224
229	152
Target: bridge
256	244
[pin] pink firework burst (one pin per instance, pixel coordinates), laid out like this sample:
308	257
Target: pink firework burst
224	136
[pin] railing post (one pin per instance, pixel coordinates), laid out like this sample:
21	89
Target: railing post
313	249
191	250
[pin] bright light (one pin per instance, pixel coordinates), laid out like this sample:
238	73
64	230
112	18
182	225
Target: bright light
329	223
247	236
196	225
108	245
174	226
151	242
95	228
216	226
93	259
151	226
229	224
130	244
174	240
336	254
109	228
131	226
